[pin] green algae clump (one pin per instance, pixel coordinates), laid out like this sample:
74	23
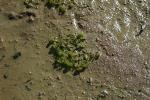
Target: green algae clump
70	52
60	5
31	3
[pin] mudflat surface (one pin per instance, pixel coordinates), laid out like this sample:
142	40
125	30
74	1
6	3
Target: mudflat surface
119	29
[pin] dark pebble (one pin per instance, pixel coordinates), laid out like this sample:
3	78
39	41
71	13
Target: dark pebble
17	55
5	76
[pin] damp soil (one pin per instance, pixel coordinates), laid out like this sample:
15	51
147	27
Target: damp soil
119	29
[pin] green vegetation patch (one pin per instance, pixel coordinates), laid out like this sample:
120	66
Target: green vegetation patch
31	3
70	52
60	5
55	3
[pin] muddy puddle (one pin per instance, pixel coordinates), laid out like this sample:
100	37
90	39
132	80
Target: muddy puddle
119	29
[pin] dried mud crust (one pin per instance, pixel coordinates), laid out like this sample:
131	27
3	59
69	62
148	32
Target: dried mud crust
122	72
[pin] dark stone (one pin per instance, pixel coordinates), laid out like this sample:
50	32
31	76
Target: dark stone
5	76
17	55
139	90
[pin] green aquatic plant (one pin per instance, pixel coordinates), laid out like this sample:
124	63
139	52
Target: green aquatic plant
60	5
55	3
70	52
61	10
31	3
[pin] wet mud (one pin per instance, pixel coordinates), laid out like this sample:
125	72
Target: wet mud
118	29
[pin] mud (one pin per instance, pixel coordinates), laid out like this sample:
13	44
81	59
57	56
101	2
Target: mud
119	29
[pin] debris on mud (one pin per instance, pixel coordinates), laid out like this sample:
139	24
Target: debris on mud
5	76
28	85
13	16
31	19
28	88
28	13
16	55
70	52
90	81
142	27
103	94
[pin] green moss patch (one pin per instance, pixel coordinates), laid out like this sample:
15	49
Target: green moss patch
60	5
31	3
70	52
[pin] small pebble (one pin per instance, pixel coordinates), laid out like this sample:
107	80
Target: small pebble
30	73
83	92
